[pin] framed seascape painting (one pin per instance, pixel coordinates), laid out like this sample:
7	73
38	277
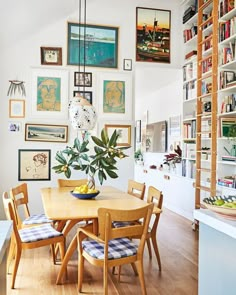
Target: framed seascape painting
45	132
34	165
101	43
49	93
153	35
115	89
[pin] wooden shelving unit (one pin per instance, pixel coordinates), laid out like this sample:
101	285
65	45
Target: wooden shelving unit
207	68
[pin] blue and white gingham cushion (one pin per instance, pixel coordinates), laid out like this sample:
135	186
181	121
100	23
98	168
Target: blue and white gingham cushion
121	223
117	248
37	233
36	219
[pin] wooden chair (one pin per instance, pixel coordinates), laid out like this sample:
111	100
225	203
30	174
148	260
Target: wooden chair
19	195
99	250
156	197
31	237
136	189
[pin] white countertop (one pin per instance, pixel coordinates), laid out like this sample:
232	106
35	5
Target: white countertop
215	221
5	235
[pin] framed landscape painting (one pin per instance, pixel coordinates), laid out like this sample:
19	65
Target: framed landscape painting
153	35
34	165
44	132
101	43
124	132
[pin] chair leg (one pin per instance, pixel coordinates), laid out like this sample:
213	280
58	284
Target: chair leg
11	254
105	280
149	248
155	247
141	277
134	268
16	264
80	272
52	246
119	272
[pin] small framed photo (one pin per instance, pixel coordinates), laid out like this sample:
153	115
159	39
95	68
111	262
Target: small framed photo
16	108
226	126
85	94
51	56
124	132
14	127
45	132
34	165
83	79
127	65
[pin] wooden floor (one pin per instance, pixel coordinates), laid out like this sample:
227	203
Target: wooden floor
178	245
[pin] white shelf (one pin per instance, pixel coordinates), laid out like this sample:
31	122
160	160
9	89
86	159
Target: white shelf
231	38
190	100
233	163
227	89
229	114
228	66
228	15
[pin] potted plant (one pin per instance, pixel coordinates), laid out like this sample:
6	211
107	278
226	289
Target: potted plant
138	156
103	161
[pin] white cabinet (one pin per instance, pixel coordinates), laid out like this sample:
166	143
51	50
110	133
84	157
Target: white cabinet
178	191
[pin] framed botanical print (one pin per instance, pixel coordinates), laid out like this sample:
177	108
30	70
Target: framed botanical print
49	93
34	165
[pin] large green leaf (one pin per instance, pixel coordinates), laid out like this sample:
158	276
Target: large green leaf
113	139
58	167
112	174
98	141
60	158
104	136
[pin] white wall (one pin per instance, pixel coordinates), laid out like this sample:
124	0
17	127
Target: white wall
156	87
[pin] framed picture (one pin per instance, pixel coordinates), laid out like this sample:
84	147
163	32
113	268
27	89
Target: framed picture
85	94
34	165
153	35
127	66
226	126
101	41
14	126
124	132
16	108
51	56
175	126
49	93
115	89
45	132
83	79
138	131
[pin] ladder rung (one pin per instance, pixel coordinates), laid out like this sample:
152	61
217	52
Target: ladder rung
204	132
205	76
206	21
206	39
204	5
204	151
204	170
205	58
204	188
205	95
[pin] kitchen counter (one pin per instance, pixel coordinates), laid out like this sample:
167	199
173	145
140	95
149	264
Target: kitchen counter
5	235
217	260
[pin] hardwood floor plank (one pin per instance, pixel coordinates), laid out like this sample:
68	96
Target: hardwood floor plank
178	246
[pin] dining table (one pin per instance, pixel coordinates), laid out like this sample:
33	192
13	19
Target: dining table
60	204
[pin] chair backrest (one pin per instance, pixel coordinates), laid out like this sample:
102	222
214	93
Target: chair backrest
155	196
19	195
6	199
136	189
107	216
72	183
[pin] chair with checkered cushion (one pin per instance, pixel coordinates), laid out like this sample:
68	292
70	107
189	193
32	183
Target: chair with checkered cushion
19	195
112	247
31	237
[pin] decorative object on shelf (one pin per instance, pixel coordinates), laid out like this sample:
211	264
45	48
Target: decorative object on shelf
172	159
16	85
51	56
103	161
153	35
228	127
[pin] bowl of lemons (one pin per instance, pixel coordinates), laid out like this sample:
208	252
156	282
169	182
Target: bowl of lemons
84	192
223	205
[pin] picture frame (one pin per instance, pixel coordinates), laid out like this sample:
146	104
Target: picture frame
174	123
14	126
115	91
102	41
85	94
225	124
51	56
34	165
127	65
83	79
138	131
153	27
124	132
16	108
51	82
46	132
